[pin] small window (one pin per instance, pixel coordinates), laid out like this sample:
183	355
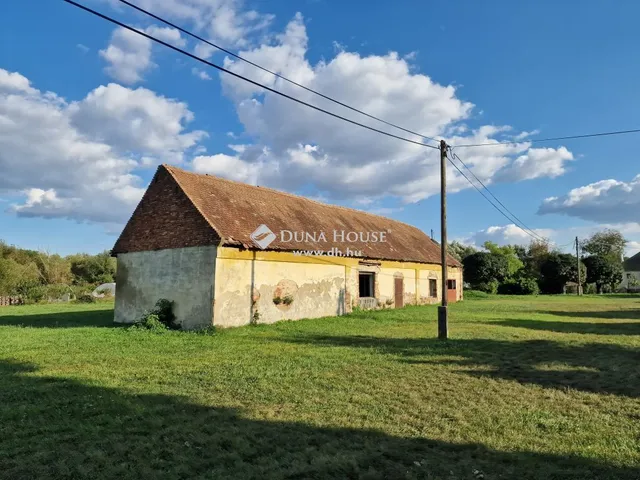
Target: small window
366	282
451	284
433	287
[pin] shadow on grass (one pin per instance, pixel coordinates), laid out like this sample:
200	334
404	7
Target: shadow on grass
60	428
91	318
602	328
611	314
594	367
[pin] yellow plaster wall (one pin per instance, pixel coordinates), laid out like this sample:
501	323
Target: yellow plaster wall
320	286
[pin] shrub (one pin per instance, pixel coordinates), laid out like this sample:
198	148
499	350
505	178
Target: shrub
590	289
287	300
164	311
519	286
86	298
475	295
487	287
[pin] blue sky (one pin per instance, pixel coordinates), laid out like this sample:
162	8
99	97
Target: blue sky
78	158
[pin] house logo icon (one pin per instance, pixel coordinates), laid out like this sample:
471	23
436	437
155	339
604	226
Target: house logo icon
263	236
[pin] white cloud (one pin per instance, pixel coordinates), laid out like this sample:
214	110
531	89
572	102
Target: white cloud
201	74
75	160
129	54
136	121
536	163
82	48
506	234
608	201
561	238
348	162
225	22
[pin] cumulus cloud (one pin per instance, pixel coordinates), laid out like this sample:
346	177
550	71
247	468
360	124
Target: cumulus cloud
298	146
136	121
75	160
226	22
129	54
537	162
604	201
506	234
201	74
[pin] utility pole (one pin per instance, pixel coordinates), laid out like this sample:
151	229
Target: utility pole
432	234
578	263
443	320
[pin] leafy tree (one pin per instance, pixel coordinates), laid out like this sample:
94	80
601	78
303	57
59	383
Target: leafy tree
508	252
460	251
485	268
602	271
537	254
16	278
607	244
557	270
94	269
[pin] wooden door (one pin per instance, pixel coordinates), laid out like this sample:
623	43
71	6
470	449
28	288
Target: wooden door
452	291
399	292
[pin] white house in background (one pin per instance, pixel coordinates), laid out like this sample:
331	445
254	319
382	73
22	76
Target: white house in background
631	276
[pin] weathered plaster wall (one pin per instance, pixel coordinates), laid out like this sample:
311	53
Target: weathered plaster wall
183	275
248	282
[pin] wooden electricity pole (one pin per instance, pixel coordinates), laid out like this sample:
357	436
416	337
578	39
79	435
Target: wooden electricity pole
443	321
578	263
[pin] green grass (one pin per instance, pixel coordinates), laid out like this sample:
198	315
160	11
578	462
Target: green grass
527	387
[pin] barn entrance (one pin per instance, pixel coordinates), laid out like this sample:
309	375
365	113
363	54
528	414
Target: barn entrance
452	291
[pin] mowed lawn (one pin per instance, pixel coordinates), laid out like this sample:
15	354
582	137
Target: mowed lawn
527	387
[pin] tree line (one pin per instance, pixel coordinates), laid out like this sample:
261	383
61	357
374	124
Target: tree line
540	268
37	276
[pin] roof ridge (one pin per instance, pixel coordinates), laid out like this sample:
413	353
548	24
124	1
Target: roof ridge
274	190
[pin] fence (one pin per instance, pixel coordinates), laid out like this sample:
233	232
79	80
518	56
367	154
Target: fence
6	301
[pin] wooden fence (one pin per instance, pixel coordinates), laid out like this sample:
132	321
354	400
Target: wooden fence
6	301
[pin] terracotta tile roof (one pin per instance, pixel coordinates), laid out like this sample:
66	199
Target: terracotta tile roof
234	210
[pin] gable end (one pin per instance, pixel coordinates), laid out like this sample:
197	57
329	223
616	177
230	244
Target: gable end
165	218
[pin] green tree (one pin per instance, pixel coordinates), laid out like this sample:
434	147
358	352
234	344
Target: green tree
608	244
460	251
514	264
484	268
602	271
93	269
558	269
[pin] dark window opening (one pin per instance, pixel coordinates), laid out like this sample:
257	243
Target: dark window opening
365	281
433	287
451	284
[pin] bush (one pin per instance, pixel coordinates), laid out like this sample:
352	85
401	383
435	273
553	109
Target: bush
487	287
287	300
475	295
164	311
520	286
150	321
86	298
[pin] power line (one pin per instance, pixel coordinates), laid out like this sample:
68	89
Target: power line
552	139
517	220
235	55
222	69
533	235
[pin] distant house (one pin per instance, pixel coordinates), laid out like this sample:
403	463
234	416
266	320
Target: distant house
631	276
230	254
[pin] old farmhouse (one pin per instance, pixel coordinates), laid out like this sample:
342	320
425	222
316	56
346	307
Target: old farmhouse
230	254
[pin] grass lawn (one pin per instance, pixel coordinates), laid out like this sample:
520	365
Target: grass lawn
545	388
